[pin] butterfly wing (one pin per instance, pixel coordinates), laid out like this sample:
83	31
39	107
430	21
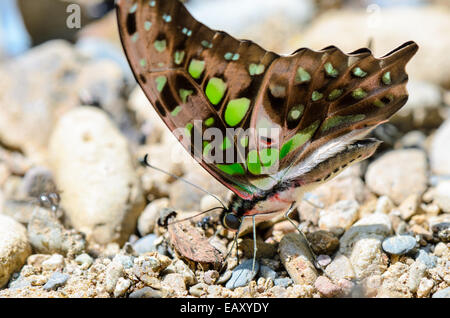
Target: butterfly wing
246	114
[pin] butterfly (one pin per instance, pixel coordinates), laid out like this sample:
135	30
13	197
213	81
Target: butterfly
268	127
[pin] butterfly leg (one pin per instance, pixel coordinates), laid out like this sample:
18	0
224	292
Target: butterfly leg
255	248
235	242
289	211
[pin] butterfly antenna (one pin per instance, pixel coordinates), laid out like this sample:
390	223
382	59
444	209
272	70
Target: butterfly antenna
194	216
146	163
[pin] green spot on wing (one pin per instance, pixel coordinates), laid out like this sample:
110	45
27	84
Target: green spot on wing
269	156
235	57
209	122
135	37
339	120
236	110
359	93
244	141
298	140
253	162
256	69
160	83
357	71
206	149
226	143
232	169
316	96
335	93
184	93
176	111
228	56
302	76
295	112
147	25
215	89
188	129
386	78
378	103
196	68
160	45
178	57
330	70
133	8
206	44
143	62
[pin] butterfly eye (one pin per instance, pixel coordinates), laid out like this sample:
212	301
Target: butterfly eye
231	221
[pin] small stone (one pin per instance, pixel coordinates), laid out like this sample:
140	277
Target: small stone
326	287
56	280
211	276
242	274
441	195
55	262
443	293
122	287
145	244
85	260
384	205
441	249
125	260
342	214
266	272
340	268
323	242
440	150
416	273
146	292
297	259
198	290
113	272
425	287
14	248
426	258
175	281
409	206
398	174
283	282
323	260
148	219
399	244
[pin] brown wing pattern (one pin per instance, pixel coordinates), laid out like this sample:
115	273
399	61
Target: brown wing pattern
198	78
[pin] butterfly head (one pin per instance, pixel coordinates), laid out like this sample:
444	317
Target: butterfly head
230	220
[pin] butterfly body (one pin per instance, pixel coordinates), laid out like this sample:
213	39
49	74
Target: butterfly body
268	127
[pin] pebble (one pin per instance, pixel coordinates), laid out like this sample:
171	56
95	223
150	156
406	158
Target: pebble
211	276
398	174
122	287
125	260
96	175
146	292
416	273
175	281
266	272
443	293
426	258
326	287
399	244
113	272
56	280
283	282
441	249
409	206
47	235
440	150
198	290
323	260
36	181
14	247
19	210
340	268
297	259
425	287
55	262
341	214
145	244
323	242
149	217
384	205
441	195
242	274
85	260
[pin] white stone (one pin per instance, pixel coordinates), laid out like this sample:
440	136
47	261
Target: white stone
100	190
440	150
147	220
342	214
56	261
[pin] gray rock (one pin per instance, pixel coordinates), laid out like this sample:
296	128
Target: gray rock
440	150
443	293
56	280
428	259
398	174
47	235
267	272
399	244
146	292
283	282
242	274
145	244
